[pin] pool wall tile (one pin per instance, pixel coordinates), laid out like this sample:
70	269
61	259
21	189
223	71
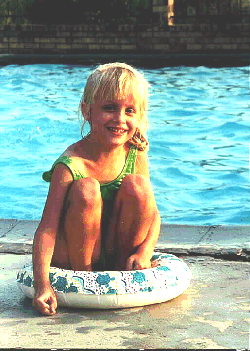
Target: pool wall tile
183	38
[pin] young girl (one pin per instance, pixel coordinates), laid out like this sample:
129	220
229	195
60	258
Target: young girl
100	212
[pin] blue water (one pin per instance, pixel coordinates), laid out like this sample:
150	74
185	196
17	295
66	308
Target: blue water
199	136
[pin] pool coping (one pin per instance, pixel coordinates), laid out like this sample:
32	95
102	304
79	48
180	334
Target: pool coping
147	59
16	237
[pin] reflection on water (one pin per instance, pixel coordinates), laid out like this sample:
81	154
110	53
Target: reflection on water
199	135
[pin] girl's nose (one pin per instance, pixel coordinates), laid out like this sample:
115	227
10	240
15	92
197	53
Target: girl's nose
119	115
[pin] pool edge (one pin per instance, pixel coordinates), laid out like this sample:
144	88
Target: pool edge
225	59
230	242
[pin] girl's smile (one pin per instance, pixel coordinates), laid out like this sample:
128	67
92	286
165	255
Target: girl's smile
118	131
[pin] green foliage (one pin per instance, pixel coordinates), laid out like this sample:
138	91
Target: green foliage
10	8
70	11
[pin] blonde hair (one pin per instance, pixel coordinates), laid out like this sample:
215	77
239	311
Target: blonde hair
118	80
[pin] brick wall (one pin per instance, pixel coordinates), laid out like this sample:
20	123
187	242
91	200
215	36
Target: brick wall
82	39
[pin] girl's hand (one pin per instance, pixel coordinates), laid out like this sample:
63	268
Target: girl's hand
139	262
45	301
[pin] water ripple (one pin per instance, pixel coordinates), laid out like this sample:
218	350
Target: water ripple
199	136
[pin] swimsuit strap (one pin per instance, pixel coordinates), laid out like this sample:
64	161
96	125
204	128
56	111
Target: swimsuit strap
70	163
75	167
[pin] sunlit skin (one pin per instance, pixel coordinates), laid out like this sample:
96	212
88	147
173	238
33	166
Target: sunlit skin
134	224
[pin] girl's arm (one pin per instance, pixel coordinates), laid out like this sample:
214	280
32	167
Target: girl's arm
141	259
45	237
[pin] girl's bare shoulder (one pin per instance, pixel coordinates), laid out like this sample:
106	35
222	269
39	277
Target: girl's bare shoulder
75	150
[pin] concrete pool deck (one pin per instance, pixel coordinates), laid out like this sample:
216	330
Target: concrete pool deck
211	313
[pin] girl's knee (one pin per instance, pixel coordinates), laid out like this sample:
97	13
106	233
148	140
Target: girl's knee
87	191
137	186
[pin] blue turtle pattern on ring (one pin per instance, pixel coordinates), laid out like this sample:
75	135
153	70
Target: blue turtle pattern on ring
138	277
27	281
104	279
168	267
61	284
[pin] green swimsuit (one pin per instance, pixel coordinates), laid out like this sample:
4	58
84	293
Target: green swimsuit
108	190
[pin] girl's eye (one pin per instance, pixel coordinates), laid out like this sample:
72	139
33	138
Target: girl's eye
130	110
109	108
113	108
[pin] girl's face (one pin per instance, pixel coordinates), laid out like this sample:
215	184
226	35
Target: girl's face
113	122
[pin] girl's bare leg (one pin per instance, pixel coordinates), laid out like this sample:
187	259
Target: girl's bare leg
81	242
135	214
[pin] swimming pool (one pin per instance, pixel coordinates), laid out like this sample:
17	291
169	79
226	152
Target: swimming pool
198	134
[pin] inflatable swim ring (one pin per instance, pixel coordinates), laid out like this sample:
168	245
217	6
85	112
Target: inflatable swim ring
169	277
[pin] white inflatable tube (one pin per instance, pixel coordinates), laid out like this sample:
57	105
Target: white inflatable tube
169	277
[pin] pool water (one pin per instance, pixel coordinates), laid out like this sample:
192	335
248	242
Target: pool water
198	134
